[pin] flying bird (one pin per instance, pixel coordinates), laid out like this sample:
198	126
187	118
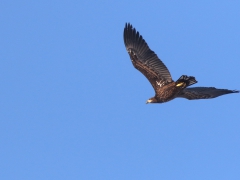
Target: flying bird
148	63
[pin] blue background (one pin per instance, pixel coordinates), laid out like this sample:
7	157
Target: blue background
73	107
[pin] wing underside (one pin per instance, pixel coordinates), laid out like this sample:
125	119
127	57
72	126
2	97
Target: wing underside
144	59
203	93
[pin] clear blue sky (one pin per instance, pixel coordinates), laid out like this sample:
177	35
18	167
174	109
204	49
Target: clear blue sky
73	107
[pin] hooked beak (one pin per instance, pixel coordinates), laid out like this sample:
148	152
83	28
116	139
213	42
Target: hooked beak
148	101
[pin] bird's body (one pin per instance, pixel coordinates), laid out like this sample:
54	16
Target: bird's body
171	90
147	62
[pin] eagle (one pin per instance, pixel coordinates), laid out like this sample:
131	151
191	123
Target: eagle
148	63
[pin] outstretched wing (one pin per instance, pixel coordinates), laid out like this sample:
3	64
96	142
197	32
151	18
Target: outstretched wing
203	92
144	59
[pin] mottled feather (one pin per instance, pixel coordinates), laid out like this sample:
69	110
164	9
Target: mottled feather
144	59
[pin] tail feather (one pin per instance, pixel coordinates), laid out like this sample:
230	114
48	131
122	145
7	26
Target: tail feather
186	81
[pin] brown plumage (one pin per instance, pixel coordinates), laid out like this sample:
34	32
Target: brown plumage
147	62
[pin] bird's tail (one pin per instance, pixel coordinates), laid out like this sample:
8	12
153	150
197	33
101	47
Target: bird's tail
185	81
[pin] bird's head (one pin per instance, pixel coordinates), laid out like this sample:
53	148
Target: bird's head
151	100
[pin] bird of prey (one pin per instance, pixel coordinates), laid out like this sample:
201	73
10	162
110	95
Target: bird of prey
148	63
